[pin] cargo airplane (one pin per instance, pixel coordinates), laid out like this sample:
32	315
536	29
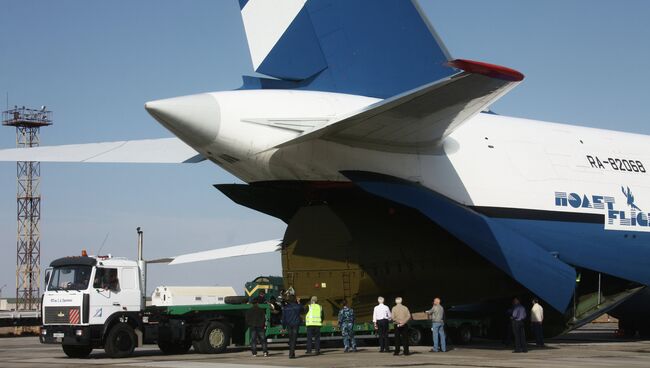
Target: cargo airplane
378	150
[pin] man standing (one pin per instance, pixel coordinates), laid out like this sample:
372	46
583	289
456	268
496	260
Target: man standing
437	316
346	324
256	322
291	322
536	320
518	316
401	316
313	321
381	317
276	311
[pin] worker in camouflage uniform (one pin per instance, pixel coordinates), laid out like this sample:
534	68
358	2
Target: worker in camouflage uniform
346	324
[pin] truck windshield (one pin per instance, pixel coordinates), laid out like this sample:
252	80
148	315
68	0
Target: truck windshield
69	278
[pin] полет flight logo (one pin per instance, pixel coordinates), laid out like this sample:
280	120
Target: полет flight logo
627	217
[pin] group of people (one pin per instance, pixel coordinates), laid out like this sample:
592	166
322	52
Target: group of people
288	313
400	316
518	316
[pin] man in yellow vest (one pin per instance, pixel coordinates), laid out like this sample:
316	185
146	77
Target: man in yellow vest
313	321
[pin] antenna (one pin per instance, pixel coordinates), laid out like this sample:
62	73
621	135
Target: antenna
104	242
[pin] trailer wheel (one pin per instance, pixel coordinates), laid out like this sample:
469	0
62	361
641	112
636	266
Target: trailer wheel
415	336
215	339
76	351
464	334
174	348
120	341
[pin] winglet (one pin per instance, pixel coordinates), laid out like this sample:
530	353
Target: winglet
490	70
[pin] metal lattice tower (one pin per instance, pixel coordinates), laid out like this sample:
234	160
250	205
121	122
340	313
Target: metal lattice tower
28	242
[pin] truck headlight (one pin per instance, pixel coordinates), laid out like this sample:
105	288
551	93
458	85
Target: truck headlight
43	331
79	332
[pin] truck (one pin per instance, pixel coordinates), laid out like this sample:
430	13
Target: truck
94	302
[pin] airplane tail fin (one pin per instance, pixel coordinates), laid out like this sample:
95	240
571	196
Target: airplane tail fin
377	48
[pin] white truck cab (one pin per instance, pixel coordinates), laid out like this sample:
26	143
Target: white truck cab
85	296
99	301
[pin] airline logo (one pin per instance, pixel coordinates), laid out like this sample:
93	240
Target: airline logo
623	214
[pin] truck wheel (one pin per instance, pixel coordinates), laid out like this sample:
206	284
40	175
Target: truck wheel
415	336
215	340
172	348
120	341
76	351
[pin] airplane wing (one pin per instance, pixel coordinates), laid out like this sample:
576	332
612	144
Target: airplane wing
163	150
416	120
268	246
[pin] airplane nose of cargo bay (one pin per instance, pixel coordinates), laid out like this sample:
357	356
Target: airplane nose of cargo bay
194	119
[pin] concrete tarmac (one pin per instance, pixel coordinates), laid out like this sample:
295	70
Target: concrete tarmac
592	346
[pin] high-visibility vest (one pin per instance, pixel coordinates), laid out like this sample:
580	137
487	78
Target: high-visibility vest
313	315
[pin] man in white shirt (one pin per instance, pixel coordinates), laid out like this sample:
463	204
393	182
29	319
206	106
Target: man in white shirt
536	319
380	317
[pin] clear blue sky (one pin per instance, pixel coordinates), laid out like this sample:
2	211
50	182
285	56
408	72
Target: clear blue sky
96	63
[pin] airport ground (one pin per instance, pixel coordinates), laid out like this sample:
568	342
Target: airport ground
591	346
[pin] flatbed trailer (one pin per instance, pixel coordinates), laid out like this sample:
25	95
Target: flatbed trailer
459	330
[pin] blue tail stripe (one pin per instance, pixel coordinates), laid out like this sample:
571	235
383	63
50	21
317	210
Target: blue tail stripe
377	48
297	55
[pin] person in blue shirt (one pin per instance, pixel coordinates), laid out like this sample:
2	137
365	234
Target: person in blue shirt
518	317
291	322
346	324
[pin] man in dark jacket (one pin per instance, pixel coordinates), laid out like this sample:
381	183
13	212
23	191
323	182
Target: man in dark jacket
276	311
517	319
256	322
291	322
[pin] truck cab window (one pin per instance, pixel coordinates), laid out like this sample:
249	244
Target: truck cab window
106	278
69	278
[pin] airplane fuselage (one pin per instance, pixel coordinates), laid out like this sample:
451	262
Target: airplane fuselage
576	192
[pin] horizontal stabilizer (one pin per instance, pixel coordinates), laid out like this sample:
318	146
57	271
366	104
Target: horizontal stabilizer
415	121
519	257
163	150
268	246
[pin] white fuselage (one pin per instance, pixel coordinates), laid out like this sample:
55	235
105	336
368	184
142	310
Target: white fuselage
489	161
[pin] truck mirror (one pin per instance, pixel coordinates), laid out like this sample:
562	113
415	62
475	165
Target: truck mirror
48	273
